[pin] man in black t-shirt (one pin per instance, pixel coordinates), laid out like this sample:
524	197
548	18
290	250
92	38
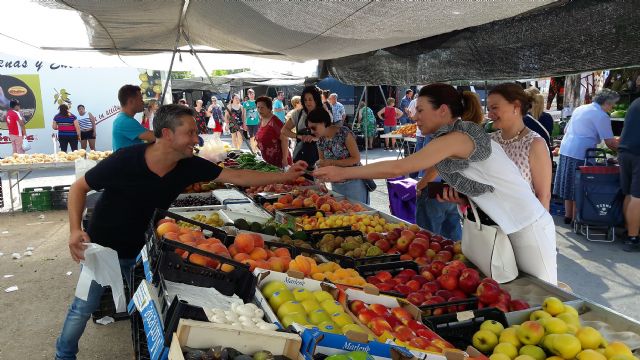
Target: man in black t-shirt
135	181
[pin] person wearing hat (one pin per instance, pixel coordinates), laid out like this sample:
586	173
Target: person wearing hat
404	104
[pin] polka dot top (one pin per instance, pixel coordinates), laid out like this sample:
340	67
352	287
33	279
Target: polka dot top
517	149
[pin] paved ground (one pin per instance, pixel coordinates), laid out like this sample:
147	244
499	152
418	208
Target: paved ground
33	315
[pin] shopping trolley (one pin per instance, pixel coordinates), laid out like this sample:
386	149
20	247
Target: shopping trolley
402	198
598	198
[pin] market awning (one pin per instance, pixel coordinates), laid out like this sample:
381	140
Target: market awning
200	83
574	37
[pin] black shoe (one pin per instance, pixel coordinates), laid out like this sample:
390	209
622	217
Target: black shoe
632	246
631	240
568	220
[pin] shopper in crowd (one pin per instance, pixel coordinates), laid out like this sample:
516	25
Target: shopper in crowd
325	102
201	118
420	139
305	148
183	102
278	106
274	147
68	128
16	126
252	119
126	130
339	115
337	147
507	104
235	119
148	113
472	164
404	104
296	104
166	167
439	217
87	123
216	119
536	119
390	114
629	159
367	123
589	125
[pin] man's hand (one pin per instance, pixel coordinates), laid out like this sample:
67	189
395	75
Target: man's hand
77	244
330	173
308	138
285	161
449	194
297	169
324	163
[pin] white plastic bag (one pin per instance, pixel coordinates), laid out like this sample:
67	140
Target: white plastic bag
25	145
82	166
102	266
213	150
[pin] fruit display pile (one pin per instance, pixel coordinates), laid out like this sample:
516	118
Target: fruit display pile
365	223
191	201
250	162
203	186
228	353
406	130
345	245
213	219
555	332
297	185
415	244
311	198
267	228
61	156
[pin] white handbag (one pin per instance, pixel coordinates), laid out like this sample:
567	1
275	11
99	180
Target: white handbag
489	248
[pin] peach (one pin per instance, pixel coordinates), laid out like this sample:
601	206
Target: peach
227	268
218	249
258	241
198	234
278	206
270	254
308	202
285	199
251	263
244	243
233	250
186	238
263	264
167	227
282	252
297	202
276	264
241	257
171	236
184	230
259	254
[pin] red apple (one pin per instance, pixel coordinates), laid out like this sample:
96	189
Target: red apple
392	320
416	250
431	287
504	297
448	248
458	293
365	316
384	276
425	273
383	244
448	281
456	308
408	234
447	242
392	250
457	264
469	280
491	281
422	235
379	309
402	314
385	287
403	289
403	244
373	280
451	270
435	246
420	343
379	325
422	241
443	256
415	325
516	305
445	294
416	298
430	254
407	272
488	293
427	334
422	260
414	285
420	279
356	306
372	237
392	237
403	333
436	267
500	305
437	238
425	233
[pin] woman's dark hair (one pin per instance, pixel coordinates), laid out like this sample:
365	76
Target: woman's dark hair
63	110
315	92
266	100
319	116
466	105
512	93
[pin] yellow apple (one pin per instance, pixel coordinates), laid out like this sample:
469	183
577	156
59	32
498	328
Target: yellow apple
623	357
553	305
290	307
589	337
493	326
555	326
299	318
570	319
331	306
310	305
499	356
533	351
322	295
319	316
280	297
272	286
590	354
301	294
539	314
572	329
330	327
507	349
341	319
524	357
566	346
570	309
530	332
554	357
617	348
508	335
353	327
485	340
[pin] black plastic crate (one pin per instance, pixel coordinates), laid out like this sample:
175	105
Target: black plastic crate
448	307
59	197
393	267
108	308
460	333
140	348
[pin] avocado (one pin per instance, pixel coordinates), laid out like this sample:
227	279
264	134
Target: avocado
255	227
269	230
282	231
300	235
241	224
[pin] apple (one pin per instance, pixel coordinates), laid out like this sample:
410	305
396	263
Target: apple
494	326
392	321
589	337
517	305
383	276
403	289
310	305
372	237
290	307
415	285
460	257
508	335
448	248
488	293
420	343
408	234
403	244
392	237
373	280
430	254
421	241
365	316
383	244
416	298
416	250
379	309
458	293
402	314
451	270
435	246
422	260
469	280
447	242
553	305
457	247
437	238
431	287
271	287
425	273
379	325
506	349
501	305
341	319
504	297
491	281
280	297
448	281
403	333
420	279
536	352
445	294
319	316
456	308
484	341
393	250
415	325
427	334
356	306
443	255
530	332
422	235
407	272
385	287
436	267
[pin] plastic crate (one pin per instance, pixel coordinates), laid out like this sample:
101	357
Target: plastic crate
59	197
172	310
448	307
139	338
108	308
36	199
458	329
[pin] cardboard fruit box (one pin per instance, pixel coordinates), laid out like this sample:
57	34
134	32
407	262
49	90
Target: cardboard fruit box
204	335
313	340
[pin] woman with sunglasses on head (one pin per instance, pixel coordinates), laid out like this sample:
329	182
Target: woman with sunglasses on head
235	119
337	147
475	166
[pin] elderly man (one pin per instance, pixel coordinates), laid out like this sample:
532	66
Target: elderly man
339	115
165	168
404	107
589	125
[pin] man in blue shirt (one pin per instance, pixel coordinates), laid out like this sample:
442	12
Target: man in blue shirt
404	104
126	130
278	107
339	115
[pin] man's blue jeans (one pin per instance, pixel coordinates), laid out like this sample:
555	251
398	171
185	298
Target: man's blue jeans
79	313
440	218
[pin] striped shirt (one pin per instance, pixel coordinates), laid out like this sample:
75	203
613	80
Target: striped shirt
65	125
85	122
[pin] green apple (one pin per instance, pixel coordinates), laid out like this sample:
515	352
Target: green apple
319	316
553	306
341	319
530	332
485	340
566	346
589	337
271	287
555	326
301	294
330	327
493	326
322	295
331	306
509	335
533	351
310	305
280	297
290	307
299	318
570	319
337	357
507	349
539	314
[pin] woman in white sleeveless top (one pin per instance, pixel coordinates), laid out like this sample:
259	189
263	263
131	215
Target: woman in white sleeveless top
472	164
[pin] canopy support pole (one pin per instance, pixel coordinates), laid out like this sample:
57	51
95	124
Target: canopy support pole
193	51
366	124
183	10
